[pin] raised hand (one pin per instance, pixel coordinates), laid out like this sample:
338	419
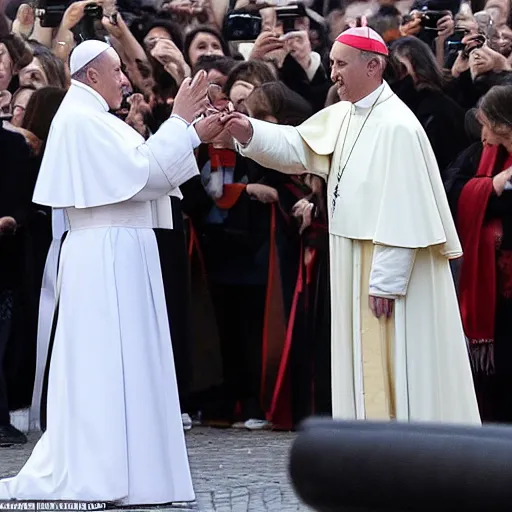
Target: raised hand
24	22
298	46
265	43
445	27
75	12
139	109
192	98
168	54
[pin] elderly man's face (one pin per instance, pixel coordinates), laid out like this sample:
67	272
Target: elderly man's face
111	79
349	71
6	67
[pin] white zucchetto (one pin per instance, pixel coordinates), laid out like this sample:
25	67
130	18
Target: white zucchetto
86	52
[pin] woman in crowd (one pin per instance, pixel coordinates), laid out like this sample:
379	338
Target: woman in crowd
420	86
244	78
204	40
303	384
33	239
481	200
44	70
15	205
165	68
19	104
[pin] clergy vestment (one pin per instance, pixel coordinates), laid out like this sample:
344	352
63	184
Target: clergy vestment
46	311
114	431
391	235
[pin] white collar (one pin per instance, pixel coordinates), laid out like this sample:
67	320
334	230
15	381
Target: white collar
369	100
91	91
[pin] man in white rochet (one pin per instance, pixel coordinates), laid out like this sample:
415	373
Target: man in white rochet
113	429
398	349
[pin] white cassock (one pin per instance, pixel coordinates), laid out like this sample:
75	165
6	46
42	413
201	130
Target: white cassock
391	235
48	296
114	430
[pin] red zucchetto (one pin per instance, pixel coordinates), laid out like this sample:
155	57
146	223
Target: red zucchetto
365	39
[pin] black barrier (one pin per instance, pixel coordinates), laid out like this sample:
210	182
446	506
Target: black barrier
399	467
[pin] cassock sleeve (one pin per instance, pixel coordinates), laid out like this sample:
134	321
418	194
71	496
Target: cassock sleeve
306	148
277	147
94	159
391	271
170	165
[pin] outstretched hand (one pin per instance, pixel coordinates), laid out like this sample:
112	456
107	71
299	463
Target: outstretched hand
212	128
240	128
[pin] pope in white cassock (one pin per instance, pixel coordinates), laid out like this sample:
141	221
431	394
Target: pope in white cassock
113	422
398	349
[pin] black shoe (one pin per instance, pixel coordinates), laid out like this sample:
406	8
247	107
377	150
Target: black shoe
10	435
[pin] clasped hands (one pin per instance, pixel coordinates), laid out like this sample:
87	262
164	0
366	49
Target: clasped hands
213	115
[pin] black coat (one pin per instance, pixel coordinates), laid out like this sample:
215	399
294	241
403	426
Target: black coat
442	119
15	198
315	91
22	258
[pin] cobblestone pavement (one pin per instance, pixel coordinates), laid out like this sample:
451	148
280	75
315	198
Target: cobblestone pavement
233	470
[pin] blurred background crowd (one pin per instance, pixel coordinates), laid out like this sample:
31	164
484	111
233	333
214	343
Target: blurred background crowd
251	337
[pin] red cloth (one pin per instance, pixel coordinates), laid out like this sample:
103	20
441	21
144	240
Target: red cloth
479	243
231	195
221	158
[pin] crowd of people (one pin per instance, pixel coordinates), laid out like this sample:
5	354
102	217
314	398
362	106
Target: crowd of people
247	256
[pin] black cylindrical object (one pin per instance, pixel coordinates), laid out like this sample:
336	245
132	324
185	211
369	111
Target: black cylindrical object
397	467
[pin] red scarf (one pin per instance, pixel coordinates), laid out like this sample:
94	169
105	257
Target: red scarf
221	159
479	243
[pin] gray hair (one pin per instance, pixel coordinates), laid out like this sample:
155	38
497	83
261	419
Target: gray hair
381	59
81	74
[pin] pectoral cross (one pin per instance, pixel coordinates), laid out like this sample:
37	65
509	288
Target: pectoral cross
335	196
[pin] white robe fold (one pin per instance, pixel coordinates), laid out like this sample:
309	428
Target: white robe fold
114	430
46	311
391	232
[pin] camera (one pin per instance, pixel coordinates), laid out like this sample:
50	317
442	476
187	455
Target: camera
429	19
287	15
477	42
90	26
241	26
50	12
454	42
